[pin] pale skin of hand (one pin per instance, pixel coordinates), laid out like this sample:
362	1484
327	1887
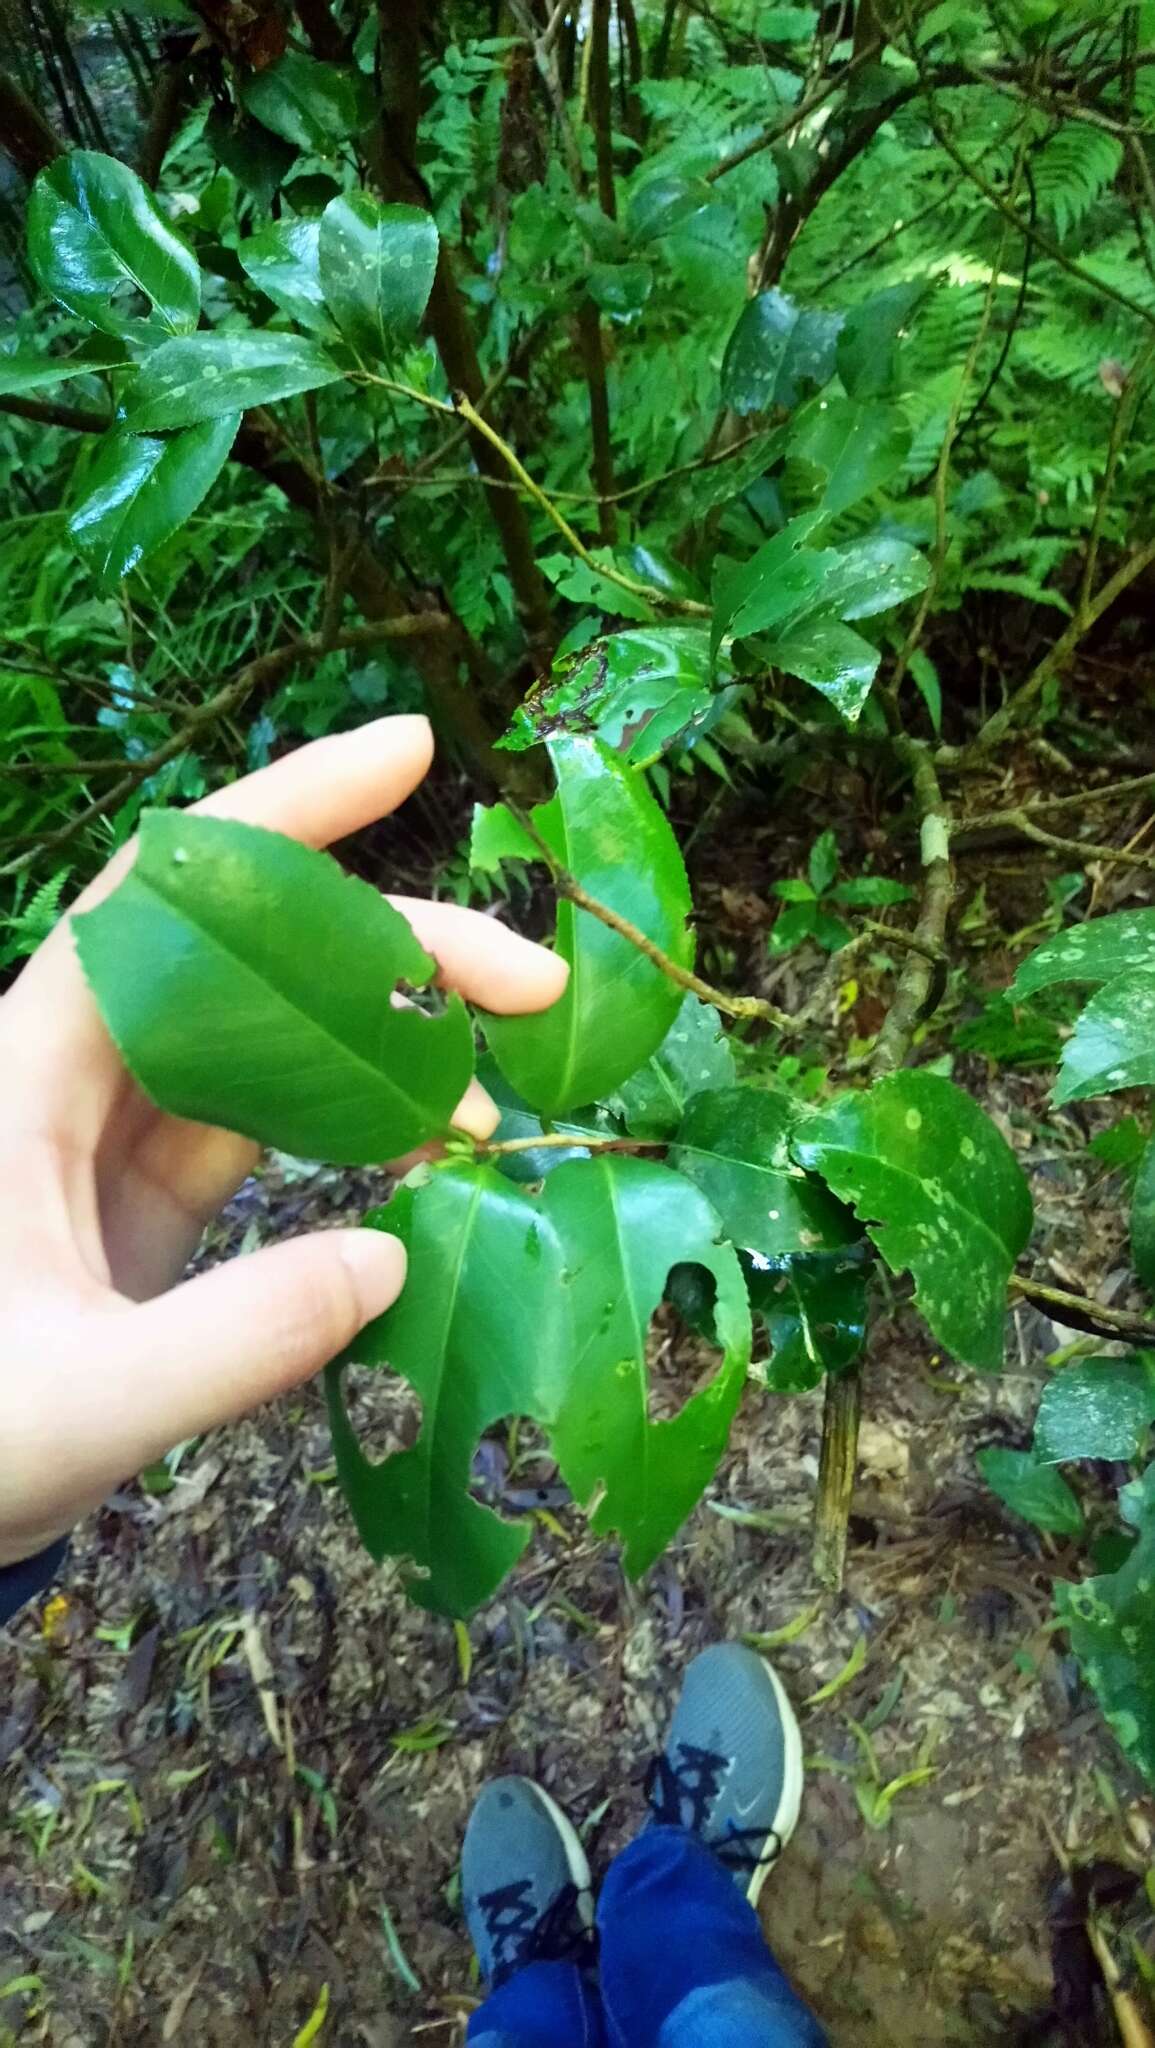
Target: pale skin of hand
108	1358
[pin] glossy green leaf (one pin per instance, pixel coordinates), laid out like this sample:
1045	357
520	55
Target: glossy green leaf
377	269
481	1331
1111	1622
641	691
822	864
97	240
870	892
1096	951
694	1055
872	576
779	584
1113	1043
1096	1408
941	1192
625	1223
1036	1492
205	375
870	352
734	1143
247	982
20	373
282	262
1143	1217
605	828
663	203
140	490
539	1307
314	105
620	290
801	1248
842	449
775	349
259	160
834	659
814	1309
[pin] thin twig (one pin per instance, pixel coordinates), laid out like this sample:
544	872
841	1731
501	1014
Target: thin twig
1084	849
224	701
1083	1314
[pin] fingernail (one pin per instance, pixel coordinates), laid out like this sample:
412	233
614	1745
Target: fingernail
378	1265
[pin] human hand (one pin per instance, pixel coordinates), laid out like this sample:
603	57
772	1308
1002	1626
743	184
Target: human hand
105	1361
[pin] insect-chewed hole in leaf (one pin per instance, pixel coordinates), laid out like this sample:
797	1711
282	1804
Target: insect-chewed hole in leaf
514	1471
680	1348
384	1411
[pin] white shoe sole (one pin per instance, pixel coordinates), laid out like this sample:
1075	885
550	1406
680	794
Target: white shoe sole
790	1802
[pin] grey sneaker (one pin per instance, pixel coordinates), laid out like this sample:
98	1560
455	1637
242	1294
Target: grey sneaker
525	1882
731	1771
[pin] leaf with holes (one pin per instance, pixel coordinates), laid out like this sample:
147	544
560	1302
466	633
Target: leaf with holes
1113	1043
97	238
814	1309
1096	952
140	491
246	981
204	375
941	1193
481	1331
377	269
604	828
539	1308
624	1224
640	691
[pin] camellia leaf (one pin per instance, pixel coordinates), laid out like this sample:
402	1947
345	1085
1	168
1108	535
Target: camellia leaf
775	347
247	982
620	289
942	1195
1143	1217
1097	1408
801	1248
139	491
282	262
258	159
482	1330
96	238
1113	1044
834	659
779	584
1096	951
38	373
842	449
605	828
624	1224
204	375
869	346
539	1307
872	576
641	691
308	103
814	1309
1036	1492
377	269
694	1055
1111	1622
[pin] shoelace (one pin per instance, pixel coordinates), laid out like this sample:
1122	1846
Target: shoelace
681	1794
521	1936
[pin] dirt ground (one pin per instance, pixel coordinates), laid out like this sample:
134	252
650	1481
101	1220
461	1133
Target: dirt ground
235	1765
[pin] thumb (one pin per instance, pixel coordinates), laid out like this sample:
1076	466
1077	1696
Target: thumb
217	1346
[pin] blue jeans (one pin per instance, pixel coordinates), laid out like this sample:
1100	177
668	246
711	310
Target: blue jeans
683	1965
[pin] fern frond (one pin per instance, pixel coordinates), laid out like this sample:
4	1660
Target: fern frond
1072	170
